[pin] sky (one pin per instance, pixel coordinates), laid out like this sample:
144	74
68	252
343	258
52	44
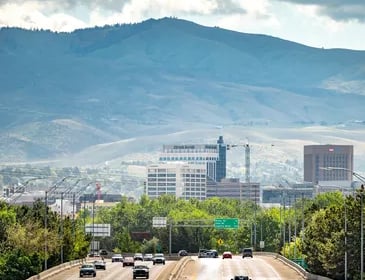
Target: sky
316	23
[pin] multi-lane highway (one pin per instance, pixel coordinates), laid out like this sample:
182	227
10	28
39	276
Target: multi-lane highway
257	268
117	271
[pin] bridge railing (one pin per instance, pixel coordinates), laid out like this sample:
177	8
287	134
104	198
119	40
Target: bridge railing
49	273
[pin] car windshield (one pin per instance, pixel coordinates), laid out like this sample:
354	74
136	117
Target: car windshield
140	267
87	266
158	255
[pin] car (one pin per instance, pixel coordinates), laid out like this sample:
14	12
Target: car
128	261
138	257
103	253
117	258
87	269
227	255
94	255
148	257
209	254
202	253
158	258
247	252
212	254
100	264
182	253
141	271
241	277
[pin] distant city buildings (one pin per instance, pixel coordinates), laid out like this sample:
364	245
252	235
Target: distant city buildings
328	163
288	195
180	179
213	156
196	171
233	188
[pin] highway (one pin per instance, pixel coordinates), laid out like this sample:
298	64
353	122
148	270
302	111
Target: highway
257	268
117	271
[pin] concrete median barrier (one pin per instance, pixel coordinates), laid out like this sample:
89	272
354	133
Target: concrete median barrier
179	267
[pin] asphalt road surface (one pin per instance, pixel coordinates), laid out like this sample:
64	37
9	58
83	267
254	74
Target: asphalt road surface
257	268
117	271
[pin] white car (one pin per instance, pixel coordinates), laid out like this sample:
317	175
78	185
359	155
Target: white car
117	258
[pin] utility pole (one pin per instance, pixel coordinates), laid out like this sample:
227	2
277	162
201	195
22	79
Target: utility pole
50	190
345	237
61	228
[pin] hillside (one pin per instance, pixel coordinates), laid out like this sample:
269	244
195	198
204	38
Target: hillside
66	94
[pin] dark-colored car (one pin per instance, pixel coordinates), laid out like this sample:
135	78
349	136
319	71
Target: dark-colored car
100	264
87	269
158	258
182	253
141	271
103	253
117	258
241	277
128	261
94	255
247	252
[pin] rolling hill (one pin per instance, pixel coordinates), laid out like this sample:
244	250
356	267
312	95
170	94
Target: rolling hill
105	93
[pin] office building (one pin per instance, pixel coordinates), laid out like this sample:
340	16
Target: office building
233	188
319	157
222	160
176	178
288	195
213	156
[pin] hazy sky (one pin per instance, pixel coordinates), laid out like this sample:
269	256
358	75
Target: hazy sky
318	23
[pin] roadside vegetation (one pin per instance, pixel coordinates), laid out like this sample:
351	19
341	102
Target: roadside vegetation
310	230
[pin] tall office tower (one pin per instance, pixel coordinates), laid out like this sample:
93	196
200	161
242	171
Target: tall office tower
211	155
222	160
328	163
176	178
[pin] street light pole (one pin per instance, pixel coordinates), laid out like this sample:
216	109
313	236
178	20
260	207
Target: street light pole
362	233
345	238
45	230
51	189
61	227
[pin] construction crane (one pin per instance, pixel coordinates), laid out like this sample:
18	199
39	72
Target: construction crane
247	158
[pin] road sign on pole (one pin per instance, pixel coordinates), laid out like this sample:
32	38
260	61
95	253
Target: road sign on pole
159	222
226	223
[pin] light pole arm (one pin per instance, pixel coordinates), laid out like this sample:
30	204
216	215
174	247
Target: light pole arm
358	176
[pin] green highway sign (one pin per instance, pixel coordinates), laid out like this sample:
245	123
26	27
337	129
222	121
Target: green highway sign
227	223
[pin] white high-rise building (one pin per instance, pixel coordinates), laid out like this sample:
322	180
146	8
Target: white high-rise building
176	178
207	154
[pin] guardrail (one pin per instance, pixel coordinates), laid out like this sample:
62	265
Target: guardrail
47	274
305	274
176	272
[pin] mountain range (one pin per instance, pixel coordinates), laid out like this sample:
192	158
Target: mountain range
116	93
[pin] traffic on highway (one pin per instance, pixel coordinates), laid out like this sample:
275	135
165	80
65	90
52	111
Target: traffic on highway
260	267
